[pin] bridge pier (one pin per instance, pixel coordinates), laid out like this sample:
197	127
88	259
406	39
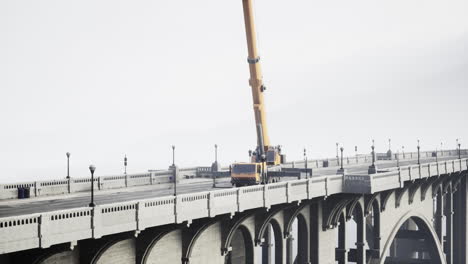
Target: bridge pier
266	246
460	223
448	243
342	250
289	249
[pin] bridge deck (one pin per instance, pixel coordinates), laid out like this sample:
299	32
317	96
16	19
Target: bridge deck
39	205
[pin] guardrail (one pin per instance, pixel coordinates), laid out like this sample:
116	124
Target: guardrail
361	159
73	185
51	228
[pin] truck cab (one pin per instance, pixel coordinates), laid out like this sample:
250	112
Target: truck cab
246	174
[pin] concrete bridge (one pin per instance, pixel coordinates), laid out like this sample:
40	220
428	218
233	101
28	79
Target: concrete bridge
411	213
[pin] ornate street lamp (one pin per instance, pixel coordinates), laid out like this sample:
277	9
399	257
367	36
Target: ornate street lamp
372	168
341	149
355	151
305	166
419	154
125	164
337	157
214	167
92	168
175	170
173	155
68	165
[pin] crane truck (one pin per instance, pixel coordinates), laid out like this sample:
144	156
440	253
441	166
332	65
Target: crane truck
266	156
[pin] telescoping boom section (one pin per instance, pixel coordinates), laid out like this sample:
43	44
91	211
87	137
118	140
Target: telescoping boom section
265	154
264	151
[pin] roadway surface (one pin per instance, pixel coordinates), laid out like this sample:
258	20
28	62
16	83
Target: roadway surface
68	201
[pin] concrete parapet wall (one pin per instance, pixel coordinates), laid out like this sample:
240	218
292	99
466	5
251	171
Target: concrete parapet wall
74	185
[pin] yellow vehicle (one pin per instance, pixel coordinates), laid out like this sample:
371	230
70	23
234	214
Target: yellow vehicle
246	174
265	154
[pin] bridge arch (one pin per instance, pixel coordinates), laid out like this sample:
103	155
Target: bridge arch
156	247
58	256
148	253
373	212
200	242
242	246
123	250
437	256
273	220
278	239
297	239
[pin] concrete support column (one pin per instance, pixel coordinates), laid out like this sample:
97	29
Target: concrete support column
342	250
266	246
439	216
460	224
449	227
361	238
322	250
289	249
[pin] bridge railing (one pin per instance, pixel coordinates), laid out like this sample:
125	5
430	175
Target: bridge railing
73	185
367	158
396	178
46	229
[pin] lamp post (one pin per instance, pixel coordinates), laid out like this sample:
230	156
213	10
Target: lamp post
125	164
341	149
403	150
68	165
175	170
398	159
419	154
305	164
355	151
92	168
441	149
173	155
341	170
459	149
372	168
337	157
214	167
373	155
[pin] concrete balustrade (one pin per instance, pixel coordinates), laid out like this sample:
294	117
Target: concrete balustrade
192	206
26	233
74	185
65	226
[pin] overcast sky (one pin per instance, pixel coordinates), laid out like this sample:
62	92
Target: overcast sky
102	79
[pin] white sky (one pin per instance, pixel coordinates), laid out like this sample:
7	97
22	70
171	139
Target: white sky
101	79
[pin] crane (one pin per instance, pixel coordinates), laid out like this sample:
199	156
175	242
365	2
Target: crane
265	154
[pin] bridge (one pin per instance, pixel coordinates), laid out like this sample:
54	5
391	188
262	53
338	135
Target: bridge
411	210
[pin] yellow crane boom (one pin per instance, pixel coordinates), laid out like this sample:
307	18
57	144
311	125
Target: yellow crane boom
255	172
256	77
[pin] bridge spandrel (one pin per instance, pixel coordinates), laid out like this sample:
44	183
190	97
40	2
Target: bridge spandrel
357	183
